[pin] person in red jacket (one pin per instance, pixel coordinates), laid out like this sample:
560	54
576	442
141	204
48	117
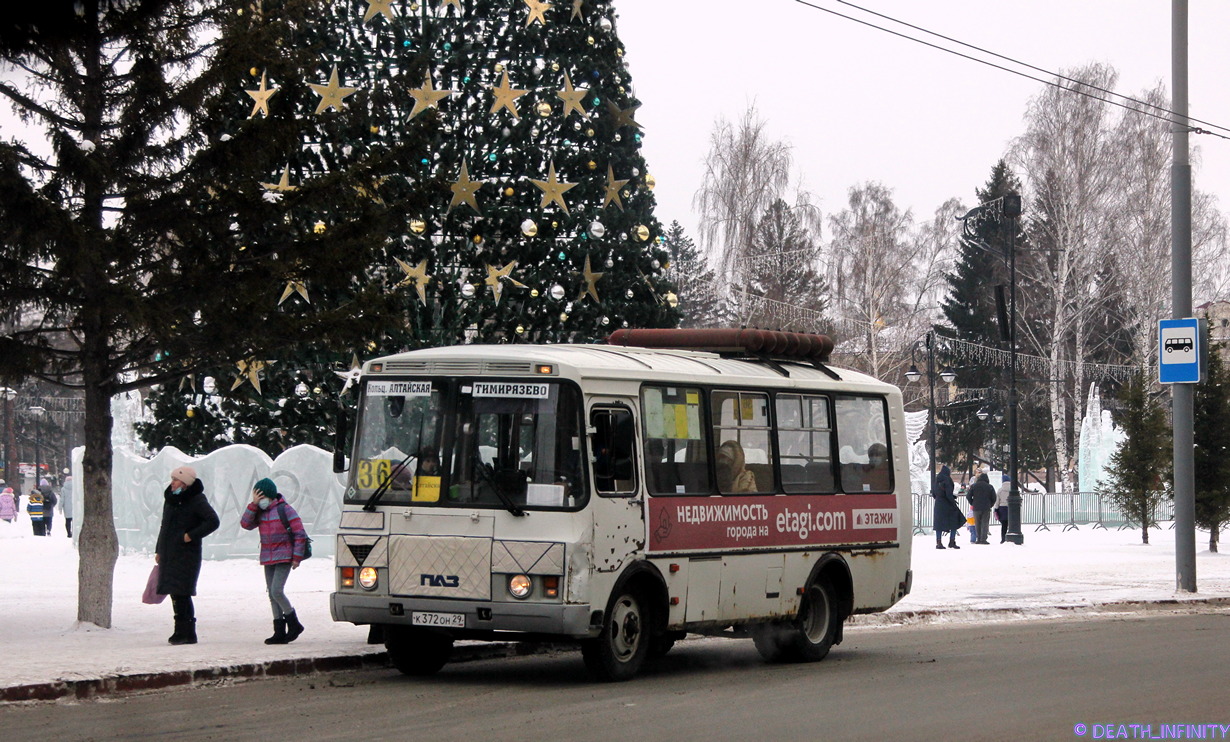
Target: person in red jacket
282	546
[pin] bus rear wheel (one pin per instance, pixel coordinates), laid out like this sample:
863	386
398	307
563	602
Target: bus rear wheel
620	650
415	651
810	636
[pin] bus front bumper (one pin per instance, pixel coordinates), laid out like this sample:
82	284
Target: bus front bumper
480	618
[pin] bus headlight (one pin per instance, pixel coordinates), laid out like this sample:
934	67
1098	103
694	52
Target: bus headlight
519	586
368	578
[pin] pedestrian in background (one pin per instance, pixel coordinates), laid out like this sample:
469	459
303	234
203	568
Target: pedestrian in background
187	517
49	504
283	540
8	504
1001	507
34	509
946	514
982	498
66	502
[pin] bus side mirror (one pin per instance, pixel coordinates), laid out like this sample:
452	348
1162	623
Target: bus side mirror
339	440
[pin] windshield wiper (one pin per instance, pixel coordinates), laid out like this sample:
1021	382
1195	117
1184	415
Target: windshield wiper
385	483
509	505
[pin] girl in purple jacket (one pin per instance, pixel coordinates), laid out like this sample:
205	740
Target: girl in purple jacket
282	544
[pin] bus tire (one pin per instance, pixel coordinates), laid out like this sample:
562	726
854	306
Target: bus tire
415	651
619	651
810	636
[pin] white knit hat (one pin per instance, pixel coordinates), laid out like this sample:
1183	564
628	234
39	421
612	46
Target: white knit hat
185	474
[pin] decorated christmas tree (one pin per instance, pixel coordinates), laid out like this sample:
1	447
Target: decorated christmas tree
529	205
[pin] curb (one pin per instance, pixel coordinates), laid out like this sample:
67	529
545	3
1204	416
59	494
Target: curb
93	688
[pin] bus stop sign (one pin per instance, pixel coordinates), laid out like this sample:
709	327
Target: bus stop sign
1179	351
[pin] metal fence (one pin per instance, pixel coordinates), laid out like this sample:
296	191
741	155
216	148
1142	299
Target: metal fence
1066	510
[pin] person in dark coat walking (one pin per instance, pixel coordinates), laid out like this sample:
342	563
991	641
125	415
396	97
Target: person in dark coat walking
947	514
283	541
49	504
187	517
982	497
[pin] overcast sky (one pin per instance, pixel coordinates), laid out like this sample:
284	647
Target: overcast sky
859	104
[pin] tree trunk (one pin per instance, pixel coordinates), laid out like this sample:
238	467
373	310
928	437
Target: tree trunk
99	546
1144	527
1213	537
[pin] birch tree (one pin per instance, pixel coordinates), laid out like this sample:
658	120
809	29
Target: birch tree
1067	153
745	172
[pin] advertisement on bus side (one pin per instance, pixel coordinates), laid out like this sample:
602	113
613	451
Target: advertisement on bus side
741	521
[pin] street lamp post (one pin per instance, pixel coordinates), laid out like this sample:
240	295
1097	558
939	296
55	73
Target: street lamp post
7	394
38	412
1005	210
946	376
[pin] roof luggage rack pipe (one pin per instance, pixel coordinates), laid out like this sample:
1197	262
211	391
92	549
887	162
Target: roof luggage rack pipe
797	346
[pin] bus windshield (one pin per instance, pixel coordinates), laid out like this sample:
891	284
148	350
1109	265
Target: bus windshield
471	443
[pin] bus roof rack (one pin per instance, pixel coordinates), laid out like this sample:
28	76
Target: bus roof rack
757	344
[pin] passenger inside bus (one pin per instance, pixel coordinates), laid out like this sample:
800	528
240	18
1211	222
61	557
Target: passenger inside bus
732	474
874	475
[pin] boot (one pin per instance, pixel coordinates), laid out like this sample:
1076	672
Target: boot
293	627
938	545
279	632
953	545
185	631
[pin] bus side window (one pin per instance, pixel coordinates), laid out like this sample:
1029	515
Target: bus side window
676	446
613	443
862	437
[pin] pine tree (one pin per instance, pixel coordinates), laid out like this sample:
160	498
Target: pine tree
144	246
969	310
782	270
1138	474
1212	453
538	223
700	304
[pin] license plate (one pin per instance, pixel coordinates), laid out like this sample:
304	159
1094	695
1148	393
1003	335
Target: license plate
451	620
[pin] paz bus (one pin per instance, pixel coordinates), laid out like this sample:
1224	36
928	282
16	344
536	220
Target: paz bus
621	495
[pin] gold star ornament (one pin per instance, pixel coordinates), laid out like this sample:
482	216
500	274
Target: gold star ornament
294	287
591	282
576	10
427	96
331	94
572	97
623	116
249	371
455	3
506	96
612	189
537	8
464	189
261	97
378	7
416	275
495	275
283	185
353	376
552	189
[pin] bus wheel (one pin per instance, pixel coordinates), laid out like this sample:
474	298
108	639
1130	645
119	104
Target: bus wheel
417	651
620	650
810	636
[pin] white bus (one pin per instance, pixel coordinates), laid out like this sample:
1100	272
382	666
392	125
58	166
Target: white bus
622	496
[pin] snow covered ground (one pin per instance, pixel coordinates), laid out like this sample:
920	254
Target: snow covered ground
41	641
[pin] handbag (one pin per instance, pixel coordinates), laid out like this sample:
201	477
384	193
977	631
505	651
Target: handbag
151	594
307	540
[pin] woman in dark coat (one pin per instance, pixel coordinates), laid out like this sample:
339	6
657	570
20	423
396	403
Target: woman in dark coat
947	514
187	517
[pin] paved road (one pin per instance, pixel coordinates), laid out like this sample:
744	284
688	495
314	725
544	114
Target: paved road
1014	680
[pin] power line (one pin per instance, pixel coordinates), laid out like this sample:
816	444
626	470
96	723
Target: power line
1167	118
